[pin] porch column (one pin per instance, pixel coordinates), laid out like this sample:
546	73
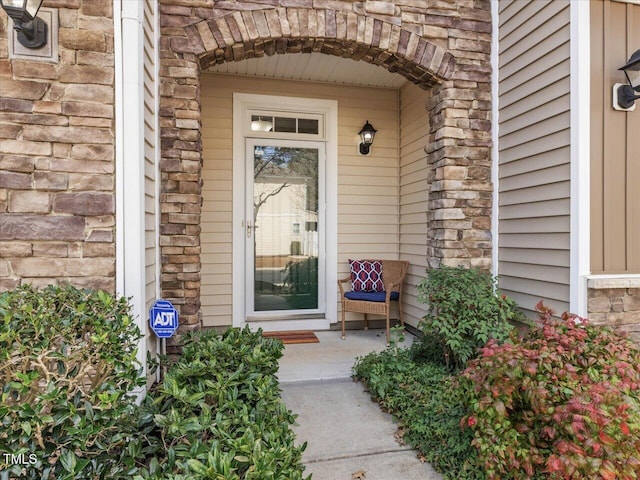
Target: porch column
459	156
181	189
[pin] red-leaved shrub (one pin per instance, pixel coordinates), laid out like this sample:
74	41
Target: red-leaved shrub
563	402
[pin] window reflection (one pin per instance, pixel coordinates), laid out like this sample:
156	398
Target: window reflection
269	123
285	203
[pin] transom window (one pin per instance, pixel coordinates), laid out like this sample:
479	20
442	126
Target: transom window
276	124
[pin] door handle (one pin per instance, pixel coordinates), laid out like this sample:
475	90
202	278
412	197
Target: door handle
250	228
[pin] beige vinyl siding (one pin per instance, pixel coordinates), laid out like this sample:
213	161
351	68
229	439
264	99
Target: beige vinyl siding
367	185
150	147
414	195
615	151
534	152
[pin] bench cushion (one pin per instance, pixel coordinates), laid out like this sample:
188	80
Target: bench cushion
371	296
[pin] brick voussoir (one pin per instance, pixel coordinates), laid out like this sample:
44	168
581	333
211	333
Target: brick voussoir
250	25
223	28
234	28
293	22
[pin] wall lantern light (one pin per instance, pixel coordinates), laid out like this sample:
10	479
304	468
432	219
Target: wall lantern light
32	31
624	96
367	134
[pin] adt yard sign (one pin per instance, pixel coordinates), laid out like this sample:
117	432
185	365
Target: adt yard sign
163	318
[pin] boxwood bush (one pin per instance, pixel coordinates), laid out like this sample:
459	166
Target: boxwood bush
67	370
67	365
218	414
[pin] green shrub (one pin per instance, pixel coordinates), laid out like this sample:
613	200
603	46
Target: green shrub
433	427
218	414
465	311
429	404
564	402
67	363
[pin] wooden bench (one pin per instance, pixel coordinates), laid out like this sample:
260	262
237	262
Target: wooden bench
379	303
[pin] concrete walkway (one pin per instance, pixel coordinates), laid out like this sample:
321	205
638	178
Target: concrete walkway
347	434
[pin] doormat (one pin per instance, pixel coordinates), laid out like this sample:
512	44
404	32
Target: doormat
290	338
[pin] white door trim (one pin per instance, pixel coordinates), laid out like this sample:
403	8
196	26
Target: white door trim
243	102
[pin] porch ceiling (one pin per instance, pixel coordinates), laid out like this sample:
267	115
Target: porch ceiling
313	67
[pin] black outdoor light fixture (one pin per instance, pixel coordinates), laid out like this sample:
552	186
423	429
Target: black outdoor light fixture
367	134
624	95
32	31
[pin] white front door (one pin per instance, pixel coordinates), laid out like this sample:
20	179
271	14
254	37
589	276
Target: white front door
285	240
285	205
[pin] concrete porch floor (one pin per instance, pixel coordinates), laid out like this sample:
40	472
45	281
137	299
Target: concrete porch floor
346	432
333	357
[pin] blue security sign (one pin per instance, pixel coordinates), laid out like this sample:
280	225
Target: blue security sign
163	318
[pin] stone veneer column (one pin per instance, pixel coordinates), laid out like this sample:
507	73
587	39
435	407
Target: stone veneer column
460	195
57	155
181	187
459	149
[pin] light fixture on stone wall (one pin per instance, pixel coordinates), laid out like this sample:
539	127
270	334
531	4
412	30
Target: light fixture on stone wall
624	94
367	134
32	31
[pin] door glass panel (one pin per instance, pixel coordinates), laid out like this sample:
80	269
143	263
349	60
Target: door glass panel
261	123
285	216
285	125
307	125
279	124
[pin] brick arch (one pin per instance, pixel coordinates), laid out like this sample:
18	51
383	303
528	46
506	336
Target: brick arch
459	110
348	35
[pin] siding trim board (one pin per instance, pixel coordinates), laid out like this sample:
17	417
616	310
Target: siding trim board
160	345
495	129
580	155
137	163
130	166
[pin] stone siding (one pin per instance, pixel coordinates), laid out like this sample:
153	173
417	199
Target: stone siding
616	302
444	46
57	207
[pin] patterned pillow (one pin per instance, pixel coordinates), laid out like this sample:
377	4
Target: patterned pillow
366	276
